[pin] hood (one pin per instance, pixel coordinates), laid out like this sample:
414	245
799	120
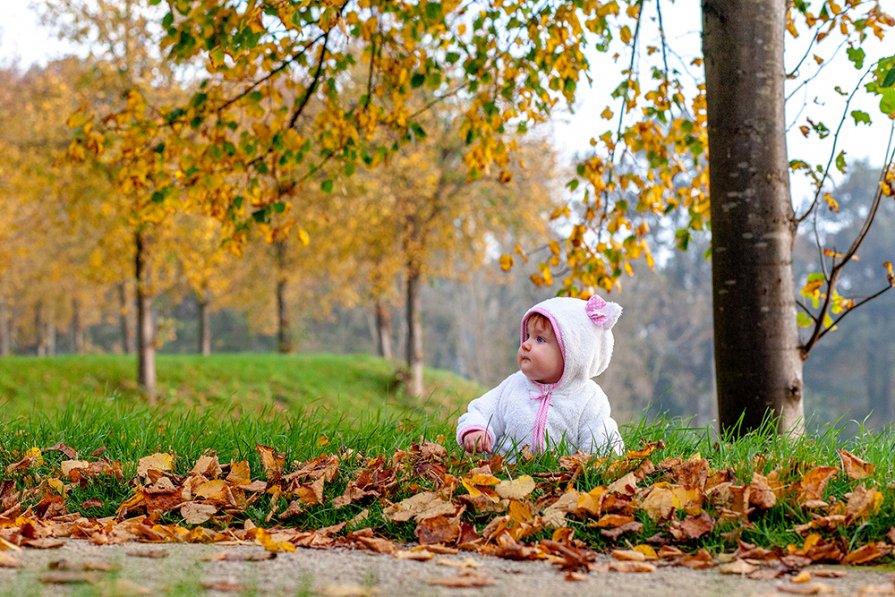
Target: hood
584	331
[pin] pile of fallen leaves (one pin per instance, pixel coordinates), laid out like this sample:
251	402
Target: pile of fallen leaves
644	513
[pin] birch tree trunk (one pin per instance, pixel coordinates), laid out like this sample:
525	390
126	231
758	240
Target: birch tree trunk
5	328
40	330
127	339
77	327
204	301
146	373
757	359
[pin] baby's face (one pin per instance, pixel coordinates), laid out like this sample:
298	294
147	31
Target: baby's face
539	356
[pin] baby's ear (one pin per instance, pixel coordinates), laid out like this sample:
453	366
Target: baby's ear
603	313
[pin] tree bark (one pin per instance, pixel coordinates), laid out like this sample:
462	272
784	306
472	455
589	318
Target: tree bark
127	341
40	330
414	333
757	359
77	327
384	330
5	328
146	373
204	324
284	331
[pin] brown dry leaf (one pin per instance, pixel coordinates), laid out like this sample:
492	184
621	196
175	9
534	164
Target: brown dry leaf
808	588
520	512
44	543
438	529
208	466
196	513
867	553
222	585
481	484
575	576
91	503
516	489
802	576
7	561
70	578
738	566
628	555
691	473
60	447
419	555
813	483
628	527
240	473
154	554
88	565
419	507
863	503
854	467
630	566
68	466
346	590
213	491
694	527
613	520
159	461
466	581
761	495
666	552
272	461
659	503
645	451
697	561
827	573
627	485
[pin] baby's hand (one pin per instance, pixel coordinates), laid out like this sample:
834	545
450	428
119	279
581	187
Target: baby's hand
477	441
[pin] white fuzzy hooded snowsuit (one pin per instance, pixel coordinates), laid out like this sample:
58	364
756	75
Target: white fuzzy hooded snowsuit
575	409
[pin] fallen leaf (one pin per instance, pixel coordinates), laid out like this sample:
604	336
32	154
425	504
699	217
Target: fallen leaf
863	503
271	460
207	466
155	554
738	566
94	565
803	576
240	473
196	513
67	466
468	581
808	588
481	484
439	529
630	566
761	495
867	553
419	507
614	534
827	573
628	555
811	486
575	576
70	578
416	555
45	543
854	467
159	461
222	585
60	447
517	489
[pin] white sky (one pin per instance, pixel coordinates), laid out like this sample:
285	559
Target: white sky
24	42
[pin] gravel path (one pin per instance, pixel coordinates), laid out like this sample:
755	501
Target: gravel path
181	569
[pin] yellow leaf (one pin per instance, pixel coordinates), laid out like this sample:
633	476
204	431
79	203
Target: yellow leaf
159	461
506	262
36	454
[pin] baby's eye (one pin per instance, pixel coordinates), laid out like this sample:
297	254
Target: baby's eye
541	339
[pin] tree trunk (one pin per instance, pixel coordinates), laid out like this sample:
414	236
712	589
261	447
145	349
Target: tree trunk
204	301
40	330
127	340
384	330
757	358
878	380
5	328
284	331
77	327
146	374
50	336
414	333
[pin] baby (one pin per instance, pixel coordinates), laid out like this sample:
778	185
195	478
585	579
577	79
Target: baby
552	398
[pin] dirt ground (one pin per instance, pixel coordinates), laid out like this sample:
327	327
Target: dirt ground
80	568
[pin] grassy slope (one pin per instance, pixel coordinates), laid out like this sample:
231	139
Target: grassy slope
334	386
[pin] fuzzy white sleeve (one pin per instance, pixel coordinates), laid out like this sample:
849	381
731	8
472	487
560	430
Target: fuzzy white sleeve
597	430
483	414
